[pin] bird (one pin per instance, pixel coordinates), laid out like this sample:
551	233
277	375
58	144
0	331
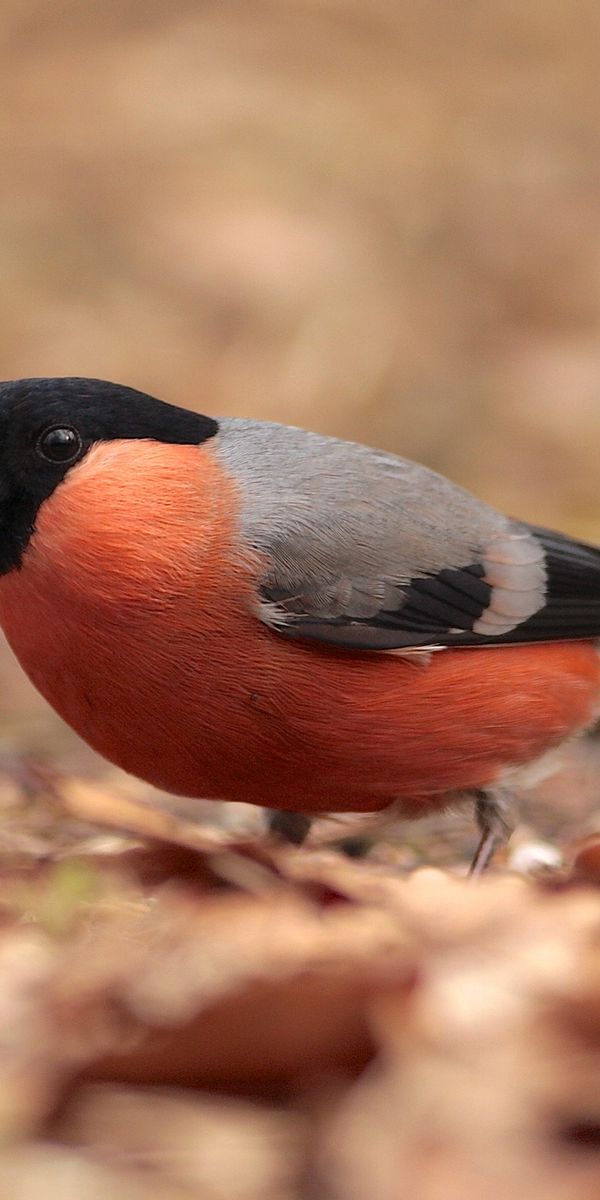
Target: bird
241	610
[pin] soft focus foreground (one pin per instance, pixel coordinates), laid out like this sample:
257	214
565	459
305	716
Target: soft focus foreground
195	1015
380	221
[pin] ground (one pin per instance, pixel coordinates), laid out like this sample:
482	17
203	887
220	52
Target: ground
191	1012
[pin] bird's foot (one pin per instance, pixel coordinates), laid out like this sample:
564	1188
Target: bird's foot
493	811
289	827
293	828
354	845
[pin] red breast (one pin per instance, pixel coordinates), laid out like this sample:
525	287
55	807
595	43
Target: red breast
133	612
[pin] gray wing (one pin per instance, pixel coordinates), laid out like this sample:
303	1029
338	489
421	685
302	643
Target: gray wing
366	550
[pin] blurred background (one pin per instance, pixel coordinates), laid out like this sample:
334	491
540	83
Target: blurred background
377	219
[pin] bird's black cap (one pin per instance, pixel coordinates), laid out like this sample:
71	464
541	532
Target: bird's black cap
48	425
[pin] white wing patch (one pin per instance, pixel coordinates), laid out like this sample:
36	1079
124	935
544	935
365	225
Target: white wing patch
515	568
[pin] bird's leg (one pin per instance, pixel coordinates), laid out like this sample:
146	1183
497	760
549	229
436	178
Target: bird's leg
289	826
294	827
493	811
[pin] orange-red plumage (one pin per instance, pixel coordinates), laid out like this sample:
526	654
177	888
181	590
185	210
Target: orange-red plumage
137	574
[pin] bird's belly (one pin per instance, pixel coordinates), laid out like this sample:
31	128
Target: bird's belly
357	731
233	711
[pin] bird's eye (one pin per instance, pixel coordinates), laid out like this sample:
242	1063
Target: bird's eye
61	444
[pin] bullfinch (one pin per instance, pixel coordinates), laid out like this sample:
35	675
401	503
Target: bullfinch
237	609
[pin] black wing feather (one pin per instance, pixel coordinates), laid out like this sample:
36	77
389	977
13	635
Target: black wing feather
442	609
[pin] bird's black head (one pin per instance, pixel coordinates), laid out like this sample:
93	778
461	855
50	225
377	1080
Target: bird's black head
48	425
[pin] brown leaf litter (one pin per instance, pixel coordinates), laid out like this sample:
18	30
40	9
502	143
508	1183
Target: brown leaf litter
188	1013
